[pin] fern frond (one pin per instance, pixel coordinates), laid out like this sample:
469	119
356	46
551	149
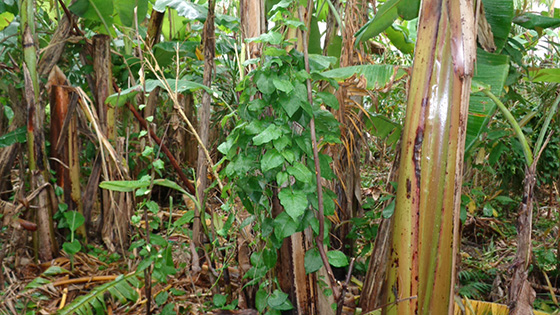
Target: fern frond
472	275
122	288
475	290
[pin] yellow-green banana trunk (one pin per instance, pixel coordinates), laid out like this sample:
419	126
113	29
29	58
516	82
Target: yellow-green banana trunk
425	234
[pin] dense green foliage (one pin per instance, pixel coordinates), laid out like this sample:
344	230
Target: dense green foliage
261	145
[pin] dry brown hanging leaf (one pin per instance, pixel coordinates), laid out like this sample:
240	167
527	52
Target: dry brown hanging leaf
485	35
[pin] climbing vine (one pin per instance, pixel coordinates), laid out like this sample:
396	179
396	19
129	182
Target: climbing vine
270	153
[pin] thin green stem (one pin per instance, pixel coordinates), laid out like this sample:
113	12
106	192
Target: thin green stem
516	128
551	112
320	206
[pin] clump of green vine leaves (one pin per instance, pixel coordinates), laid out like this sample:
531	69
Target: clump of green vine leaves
270	151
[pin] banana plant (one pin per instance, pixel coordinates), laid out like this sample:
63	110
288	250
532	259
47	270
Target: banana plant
45	244
425	226
521	294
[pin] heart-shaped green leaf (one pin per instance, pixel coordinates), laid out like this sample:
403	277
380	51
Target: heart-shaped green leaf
294	202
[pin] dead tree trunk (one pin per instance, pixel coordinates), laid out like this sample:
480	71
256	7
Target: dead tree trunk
204	124
521	294
64	142
116	207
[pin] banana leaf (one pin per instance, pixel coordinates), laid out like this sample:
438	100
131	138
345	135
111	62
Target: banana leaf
499	14
492	70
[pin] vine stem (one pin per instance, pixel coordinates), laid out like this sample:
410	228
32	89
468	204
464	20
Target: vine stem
321	212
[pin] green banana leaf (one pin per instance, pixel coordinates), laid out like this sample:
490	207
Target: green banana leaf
536	21
386	15
93	10
335	49
491	70
499	14
408	9
189	11
398	36
551	75
314	37
377	76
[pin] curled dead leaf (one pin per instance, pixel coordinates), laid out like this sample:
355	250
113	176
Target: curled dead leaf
27	225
